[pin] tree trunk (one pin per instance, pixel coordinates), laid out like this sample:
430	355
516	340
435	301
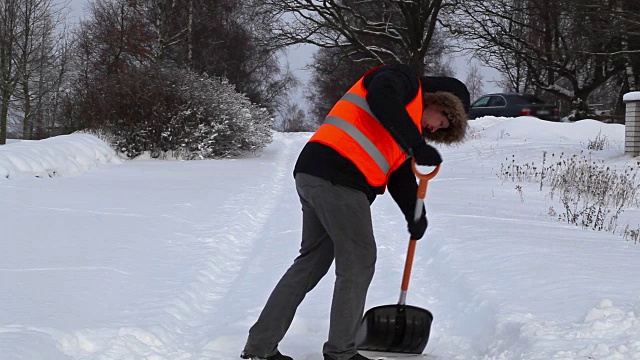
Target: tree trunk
4	105
632	43
161	29
27	44
26	124
190	36
4	113
579	103
7	33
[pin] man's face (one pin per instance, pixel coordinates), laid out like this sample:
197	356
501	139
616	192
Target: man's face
434	118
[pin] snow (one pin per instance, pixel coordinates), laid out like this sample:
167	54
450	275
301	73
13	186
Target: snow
108	259
57	156
631	96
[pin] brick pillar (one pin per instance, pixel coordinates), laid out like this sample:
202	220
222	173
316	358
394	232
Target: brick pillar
632	124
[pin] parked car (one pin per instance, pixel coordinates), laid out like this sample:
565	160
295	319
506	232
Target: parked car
513	105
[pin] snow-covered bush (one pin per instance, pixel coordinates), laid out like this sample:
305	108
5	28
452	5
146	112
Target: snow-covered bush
160	110
218	120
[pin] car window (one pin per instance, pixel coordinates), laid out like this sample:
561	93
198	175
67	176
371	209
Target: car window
482	102
497	101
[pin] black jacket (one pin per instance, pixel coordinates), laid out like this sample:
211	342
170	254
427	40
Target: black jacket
389	89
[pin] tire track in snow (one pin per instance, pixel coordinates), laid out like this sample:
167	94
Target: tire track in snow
177	325
259	263
245	215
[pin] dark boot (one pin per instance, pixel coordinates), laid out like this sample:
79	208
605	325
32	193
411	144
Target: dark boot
354	357
276	356
359	357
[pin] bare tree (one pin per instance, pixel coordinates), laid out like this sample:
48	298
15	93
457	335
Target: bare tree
336	68
170	20
117	37
556	46
474	81
218	37
8	74
381	31
40	56
630	14
293	119
112	42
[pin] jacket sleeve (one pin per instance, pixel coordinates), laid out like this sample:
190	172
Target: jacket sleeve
389	89
403	188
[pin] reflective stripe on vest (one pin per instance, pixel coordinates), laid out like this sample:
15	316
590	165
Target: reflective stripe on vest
358	136
360	102
362	140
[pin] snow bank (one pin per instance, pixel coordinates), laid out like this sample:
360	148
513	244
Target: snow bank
527	128
57	156
607	332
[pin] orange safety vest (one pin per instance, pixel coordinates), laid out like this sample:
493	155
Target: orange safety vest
351	129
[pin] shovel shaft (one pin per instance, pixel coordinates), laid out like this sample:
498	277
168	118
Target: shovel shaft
422	193
408	264
399	328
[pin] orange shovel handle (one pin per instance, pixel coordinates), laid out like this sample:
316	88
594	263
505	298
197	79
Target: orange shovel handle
407	266
422	193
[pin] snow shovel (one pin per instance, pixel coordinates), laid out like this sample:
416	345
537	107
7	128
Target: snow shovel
399	328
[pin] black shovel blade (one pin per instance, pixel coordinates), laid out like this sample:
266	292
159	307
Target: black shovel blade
395	328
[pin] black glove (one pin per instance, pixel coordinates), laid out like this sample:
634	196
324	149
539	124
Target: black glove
426	155
417	229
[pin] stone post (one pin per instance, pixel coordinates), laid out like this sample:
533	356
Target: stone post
632	124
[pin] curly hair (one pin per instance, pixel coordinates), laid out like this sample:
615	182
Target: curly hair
453	106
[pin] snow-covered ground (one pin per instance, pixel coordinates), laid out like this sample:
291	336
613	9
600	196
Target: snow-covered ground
108	259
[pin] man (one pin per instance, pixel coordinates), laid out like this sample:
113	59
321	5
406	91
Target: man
364	145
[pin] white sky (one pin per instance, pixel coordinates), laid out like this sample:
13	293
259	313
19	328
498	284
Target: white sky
77	8
144	259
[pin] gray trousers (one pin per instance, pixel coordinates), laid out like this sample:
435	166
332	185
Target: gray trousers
336	224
